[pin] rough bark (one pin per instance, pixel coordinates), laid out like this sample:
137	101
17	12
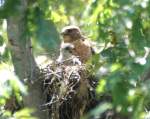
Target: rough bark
23	60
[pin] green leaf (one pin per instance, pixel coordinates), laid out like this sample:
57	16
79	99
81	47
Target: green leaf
1	40
9	8
138	40
101	86
45	32
122	2
101	108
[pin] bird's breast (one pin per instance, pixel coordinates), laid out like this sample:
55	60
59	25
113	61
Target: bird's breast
83	50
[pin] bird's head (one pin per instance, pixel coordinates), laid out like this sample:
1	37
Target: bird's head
71	33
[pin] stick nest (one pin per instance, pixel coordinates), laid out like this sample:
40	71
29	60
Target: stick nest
69	89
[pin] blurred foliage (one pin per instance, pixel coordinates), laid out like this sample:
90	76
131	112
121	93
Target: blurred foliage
4	50
22	114
10	86
45	37
8	7
121	28
124	27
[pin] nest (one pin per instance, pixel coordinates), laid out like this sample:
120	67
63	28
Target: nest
69	89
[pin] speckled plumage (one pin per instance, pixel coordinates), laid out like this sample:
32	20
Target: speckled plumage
82	46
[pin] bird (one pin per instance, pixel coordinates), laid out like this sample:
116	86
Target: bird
75	44
82	47
66	55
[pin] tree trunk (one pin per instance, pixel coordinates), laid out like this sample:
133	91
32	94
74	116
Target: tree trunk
23	60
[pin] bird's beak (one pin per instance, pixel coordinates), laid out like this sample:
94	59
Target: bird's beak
63	33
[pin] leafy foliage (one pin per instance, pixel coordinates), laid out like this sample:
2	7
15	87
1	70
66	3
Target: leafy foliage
8	7
42	30
123	58
121	28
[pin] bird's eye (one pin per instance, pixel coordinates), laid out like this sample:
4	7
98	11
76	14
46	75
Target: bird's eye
69	49
69	30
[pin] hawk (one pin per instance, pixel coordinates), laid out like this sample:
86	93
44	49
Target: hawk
66	54
75	45
79	45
